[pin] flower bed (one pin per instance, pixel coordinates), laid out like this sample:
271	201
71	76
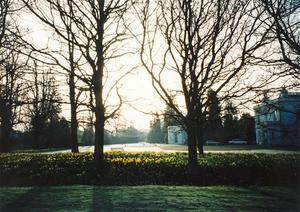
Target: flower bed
148	168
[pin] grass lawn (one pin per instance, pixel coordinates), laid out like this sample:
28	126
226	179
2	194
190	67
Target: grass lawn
148	147
39	150
148	198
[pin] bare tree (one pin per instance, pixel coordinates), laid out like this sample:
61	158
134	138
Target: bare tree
206	45
12	93
6	26
67	59
283	18
44	102
4	12
96	28
12	64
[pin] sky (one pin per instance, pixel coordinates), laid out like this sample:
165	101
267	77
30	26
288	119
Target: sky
136	89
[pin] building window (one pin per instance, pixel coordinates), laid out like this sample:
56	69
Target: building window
276	113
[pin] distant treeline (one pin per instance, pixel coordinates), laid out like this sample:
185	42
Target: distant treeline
221	123
57	135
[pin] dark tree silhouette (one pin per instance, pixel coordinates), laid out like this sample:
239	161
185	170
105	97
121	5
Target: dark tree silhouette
230	122
283	19
11	74
46	104
246	126
206	45
68	59
96	29
4	13
213	126
12	93
155	134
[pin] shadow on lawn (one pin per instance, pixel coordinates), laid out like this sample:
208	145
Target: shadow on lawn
289	197
149	198
20	201
67	198
102	199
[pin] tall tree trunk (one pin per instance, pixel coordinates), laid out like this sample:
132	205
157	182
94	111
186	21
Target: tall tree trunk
4	138
98	90
73	102
200	145
99	131
74	128
74	121
99	123
6	129
200	140
192	153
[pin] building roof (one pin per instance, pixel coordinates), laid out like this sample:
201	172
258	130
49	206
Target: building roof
284	96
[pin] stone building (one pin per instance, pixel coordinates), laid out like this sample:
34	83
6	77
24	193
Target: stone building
176	135
277	121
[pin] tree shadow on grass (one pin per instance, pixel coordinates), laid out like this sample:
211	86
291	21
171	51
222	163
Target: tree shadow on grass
20	201
125	198
286	198
102	199
67	198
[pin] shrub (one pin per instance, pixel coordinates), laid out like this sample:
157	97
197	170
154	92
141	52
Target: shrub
147	168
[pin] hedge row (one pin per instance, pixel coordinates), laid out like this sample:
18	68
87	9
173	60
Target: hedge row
148	168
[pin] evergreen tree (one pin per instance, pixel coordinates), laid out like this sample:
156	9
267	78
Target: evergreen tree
58	133
247	128
213	125
170	119
155	134
46	106
230	122
88	136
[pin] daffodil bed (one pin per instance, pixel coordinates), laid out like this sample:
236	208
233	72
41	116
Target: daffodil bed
148	168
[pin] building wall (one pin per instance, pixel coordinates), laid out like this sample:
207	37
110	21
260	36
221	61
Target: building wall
277	121
176	135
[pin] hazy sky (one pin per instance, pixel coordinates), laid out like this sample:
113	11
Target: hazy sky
135	88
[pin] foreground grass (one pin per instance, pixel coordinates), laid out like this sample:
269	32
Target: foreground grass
148	198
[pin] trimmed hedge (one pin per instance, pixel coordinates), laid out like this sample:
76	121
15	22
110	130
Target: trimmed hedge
148	168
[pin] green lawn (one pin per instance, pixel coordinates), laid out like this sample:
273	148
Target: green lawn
39	150
141	147
148	198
